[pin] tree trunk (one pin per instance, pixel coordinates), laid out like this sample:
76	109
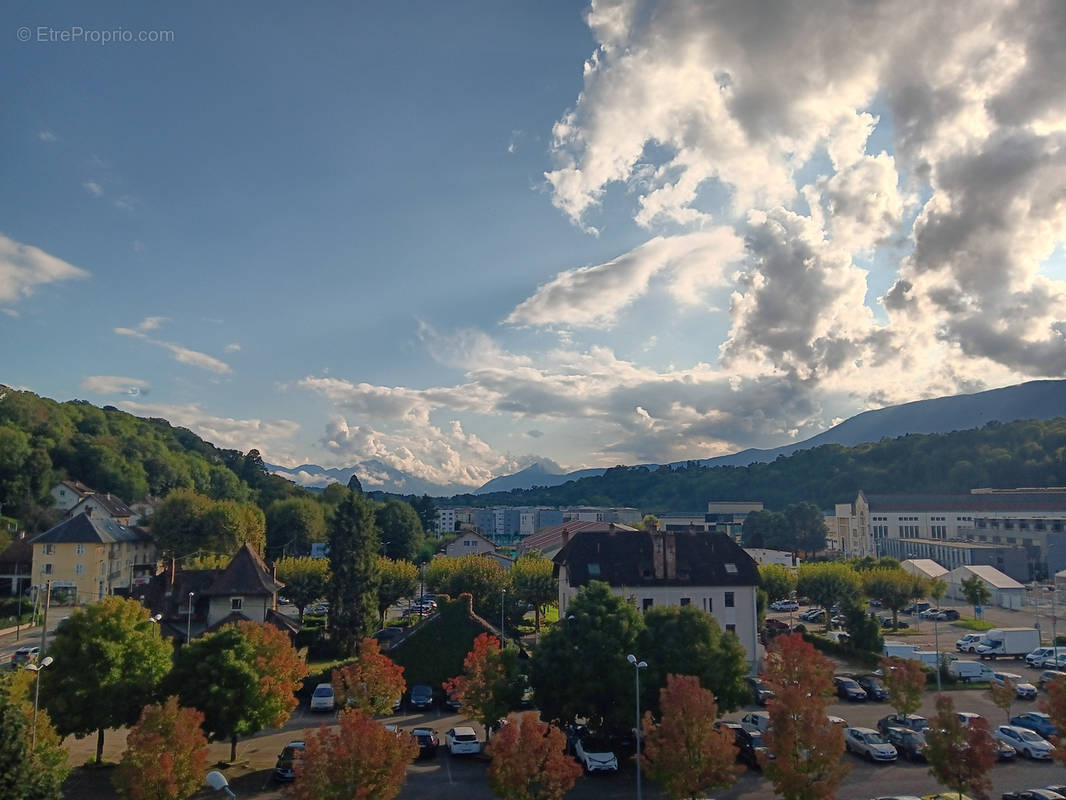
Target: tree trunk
536	617
233	749
99	745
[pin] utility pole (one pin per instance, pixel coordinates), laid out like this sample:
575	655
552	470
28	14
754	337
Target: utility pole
44	621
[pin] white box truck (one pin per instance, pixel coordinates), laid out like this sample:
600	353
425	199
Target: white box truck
898	650
969	671
1012	642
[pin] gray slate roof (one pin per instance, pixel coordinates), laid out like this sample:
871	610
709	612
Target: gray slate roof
625	558
1019	502
91	530
246	574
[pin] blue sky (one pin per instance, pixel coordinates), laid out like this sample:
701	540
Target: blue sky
453	239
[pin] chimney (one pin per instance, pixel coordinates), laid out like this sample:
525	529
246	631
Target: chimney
657	556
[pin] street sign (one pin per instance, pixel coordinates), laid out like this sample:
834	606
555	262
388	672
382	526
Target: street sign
979	610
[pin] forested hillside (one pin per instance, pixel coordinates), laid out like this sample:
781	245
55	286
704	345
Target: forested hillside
1024	453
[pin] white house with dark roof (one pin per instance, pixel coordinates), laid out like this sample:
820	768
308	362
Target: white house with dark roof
245	589
67	494
704	569
470	543
104	505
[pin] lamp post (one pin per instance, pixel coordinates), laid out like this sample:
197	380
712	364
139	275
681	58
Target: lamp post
188	620
503	601
637	667
37	696
421	581
217	781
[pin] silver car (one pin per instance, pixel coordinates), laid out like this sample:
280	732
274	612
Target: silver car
868	743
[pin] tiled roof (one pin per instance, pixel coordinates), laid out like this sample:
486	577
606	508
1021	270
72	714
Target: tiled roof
84	528
626	559
246	574
552	537
78	488
1019	502
111	504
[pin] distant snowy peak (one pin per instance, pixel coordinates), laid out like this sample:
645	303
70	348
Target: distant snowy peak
373	476
544	473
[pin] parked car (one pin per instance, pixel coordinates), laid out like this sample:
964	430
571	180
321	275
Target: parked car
968	642
1049	675
813	615
322	698
928	613
461	741
452	702
1025	741
946	615
760	690
1004	751
849	689
909	744
285	767
1056	662
421	696
756	721
1037	657
912	722
871	684
868	743
595	755
1036	721
916	608
1023	689
784	605
898	625
1033	794
24	655
427	741
750	746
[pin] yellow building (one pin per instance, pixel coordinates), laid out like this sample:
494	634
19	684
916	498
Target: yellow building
87	557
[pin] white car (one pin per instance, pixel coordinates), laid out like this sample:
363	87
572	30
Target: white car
323	699
595	755
1022	688
868	743
1025	741
969	642
1040	655
462	741
784	605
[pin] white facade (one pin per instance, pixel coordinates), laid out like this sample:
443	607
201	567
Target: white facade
1006	592
445	520
470	543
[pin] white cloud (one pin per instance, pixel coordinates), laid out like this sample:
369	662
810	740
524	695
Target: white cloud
46	136
93	188
114	384
181	353
232	347
24	267
151	323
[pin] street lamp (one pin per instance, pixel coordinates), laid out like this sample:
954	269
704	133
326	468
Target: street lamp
188	621
637	667
217	781
503	600
421	581
37	696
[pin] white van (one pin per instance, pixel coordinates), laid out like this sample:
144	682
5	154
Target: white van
969	671
969	642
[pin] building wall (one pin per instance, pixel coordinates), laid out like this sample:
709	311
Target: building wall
65	497
92	570
254	608
1012	561
469	545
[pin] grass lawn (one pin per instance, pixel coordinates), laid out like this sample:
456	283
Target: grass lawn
974	624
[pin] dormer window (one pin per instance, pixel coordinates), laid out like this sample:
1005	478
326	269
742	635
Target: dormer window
594	569
236	603
731	569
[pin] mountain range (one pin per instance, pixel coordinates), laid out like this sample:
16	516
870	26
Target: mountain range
1032	400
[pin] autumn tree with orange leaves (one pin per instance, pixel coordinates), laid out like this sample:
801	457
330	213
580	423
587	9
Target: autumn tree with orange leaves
490	685
960	756
807	747
905	680
166	754
1055	707
359	758
683	753
371	683
529	760
1004	696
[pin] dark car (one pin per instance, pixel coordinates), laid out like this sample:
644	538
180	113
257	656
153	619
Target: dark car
909	744
421	696
1032	794
427	741
886	622
849	689
913	722
947	615
1036	721
871	684
285	768
760	690
749	743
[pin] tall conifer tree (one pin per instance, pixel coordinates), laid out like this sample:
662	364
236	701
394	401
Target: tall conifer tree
353	561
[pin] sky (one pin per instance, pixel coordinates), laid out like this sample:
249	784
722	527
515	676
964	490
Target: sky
455	239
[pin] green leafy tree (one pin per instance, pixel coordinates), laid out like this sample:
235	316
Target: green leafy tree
766	529
864	630
684	753
306	579
893	588
829	583
960	756
360	758
28	772
109	662
354	577
807	747
529	760
905	680
399	579
243	678
580	668
292	524
372	682
975	592
807	525
165	756
187	522
400	530
481	578
426	508
535	584
650	522
685	640
490	685
779	582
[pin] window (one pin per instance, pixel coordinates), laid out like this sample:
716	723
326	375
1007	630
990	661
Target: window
46	569
594	569
647	603
79	569
79	549
731	568
729	599
236	603
686	601
731	628
49	549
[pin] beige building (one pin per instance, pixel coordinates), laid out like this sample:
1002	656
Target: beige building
87	557
470	543
703	569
